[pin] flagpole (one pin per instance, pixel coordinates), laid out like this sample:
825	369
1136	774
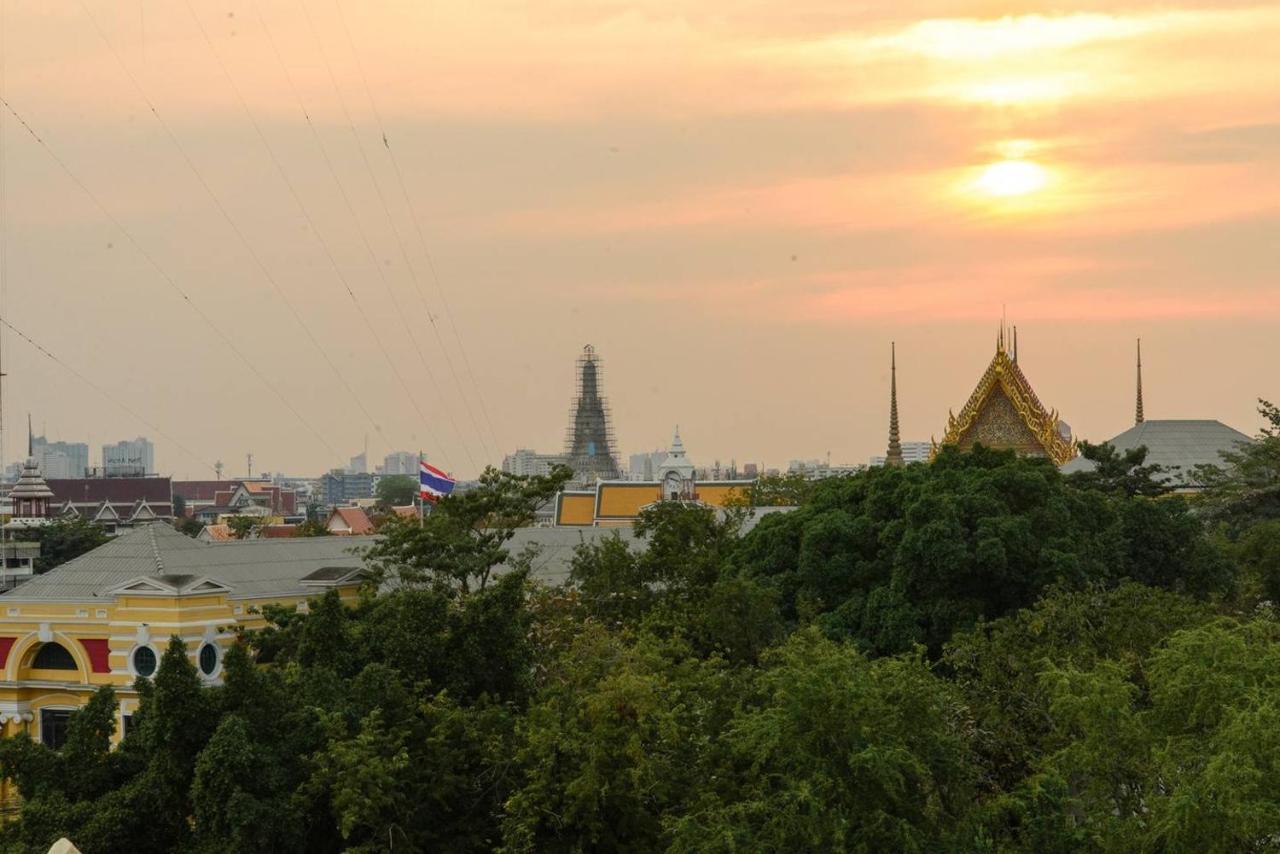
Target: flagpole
421	509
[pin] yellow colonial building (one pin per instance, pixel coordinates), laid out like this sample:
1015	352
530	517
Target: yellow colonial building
106	617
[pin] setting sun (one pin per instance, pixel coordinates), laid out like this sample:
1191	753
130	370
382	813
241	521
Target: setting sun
1012	178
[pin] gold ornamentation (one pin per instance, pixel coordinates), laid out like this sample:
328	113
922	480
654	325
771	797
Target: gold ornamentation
1003	374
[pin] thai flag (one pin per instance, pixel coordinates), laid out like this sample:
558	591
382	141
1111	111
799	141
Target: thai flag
433	483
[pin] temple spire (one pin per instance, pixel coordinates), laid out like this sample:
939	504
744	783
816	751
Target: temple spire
894	455
1138	416
31	438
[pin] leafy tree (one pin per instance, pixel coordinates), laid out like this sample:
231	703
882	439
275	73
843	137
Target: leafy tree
840	754
460	543
189	526
1184	762
1245	489
606	747
1258	553
999	665
396	490
64	539
1125	474
179	506
313	527
898	556
231	794
244	527
781	490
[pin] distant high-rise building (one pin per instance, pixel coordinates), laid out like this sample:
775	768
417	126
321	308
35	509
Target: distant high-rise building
340	487
820	469
129	458
589	441
60	459
399	462
529	463
645	466
359	463
912	452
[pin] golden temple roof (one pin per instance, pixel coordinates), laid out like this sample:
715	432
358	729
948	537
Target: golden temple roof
1004	412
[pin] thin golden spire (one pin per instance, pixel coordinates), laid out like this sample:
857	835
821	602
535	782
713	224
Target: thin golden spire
1139	417
893	457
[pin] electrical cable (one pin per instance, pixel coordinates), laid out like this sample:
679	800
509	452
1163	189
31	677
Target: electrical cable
166	277
226	215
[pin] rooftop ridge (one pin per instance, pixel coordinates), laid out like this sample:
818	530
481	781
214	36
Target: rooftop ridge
155	549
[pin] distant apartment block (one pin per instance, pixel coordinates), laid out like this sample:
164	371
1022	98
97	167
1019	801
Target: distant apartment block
60	459
819	469
359	464
340	487
529	463
645	466
912	452
129	458
398	463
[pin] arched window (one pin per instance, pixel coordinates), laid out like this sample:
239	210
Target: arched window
53	656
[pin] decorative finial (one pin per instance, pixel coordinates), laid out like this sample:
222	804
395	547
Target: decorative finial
893	457
1015	345
31	438
1138	416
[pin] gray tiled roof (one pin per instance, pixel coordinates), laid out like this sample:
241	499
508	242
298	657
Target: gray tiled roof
1184	444
259	568
252	568
249	567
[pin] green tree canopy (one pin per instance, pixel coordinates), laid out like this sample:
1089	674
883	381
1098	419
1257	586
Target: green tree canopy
396	490
64	539
1245	489
898	556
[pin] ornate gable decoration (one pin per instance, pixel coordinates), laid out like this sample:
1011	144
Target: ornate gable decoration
1004	412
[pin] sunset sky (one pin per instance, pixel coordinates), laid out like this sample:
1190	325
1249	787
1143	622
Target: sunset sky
740	204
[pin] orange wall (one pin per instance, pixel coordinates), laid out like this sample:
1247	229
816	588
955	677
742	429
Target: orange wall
576	508
717	494
626	499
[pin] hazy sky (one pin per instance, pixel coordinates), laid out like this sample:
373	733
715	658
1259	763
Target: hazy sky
740	204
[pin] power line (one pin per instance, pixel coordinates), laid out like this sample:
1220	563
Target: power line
44	351
217	202
377	185
360	228
422	241
312	224
168	279
4	216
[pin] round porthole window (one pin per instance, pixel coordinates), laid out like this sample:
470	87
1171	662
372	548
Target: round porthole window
144	661
208	659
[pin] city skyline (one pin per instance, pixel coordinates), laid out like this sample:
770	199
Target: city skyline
706	458
408	221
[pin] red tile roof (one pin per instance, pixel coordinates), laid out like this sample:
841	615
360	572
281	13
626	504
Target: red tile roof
353	518
218	533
